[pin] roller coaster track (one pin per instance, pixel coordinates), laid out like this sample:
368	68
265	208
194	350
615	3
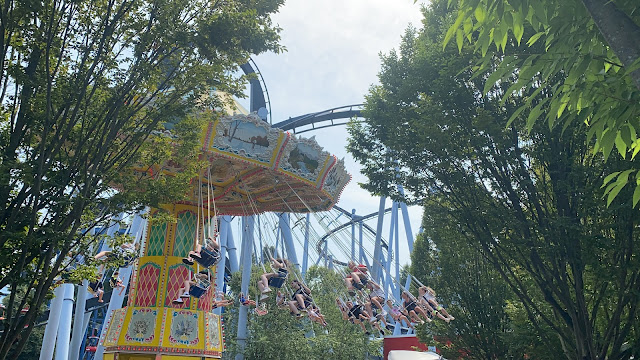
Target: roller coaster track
354	220
330	115
259	95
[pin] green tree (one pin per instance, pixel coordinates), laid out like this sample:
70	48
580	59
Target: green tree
84	84
489	323
528	199
589	61
465	281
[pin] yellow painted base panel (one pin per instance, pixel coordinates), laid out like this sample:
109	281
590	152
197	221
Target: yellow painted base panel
108	356
175	357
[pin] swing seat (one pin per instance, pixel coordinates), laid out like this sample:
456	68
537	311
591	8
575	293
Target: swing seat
277	282
207	257
197	291
359	286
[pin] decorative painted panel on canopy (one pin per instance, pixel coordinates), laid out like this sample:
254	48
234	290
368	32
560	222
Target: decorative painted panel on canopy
255	168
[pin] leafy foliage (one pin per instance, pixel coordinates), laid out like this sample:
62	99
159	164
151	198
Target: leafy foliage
84	85
527	201
587	56
489	322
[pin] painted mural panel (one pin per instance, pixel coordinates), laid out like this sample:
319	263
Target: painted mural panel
245	136
213	332
304	158
142	326
115	326
184	328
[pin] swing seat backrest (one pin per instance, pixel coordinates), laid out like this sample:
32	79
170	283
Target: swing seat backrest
276	282
197	290
200	288
207	258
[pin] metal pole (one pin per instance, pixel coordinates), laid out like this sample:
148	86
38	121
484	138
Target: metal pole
64	327
231	246
353	234
51	330
361	252
255	251
392	232
276	245
247	241
397	253
78	322
260	239
220	268
377	252
287	239
407	222
305	255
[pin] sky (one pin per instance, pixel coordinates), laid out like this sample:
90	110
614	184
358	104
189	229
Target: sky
332	60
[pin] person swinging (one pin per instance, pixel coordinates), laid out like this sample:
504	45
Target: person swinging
428	301
196	287
207	255
275	279
301	298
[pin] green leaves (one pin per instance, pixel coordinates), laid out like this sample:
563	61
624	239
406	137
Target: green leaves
91	81
567	77
532	40
617	181
613	188
525	200
480	14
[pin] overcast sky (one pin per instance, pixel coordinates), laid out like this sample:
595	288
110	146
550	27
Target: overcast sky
332	59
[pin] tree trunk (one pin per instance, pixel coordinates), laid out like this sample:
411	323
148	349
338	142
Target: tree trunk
619	30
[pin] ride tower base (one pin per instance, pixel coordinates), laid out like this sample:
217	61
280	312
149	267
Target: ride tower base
152	326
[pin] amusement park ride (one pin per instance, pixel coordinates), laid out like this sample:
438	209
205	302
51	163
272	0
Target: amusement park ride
253	168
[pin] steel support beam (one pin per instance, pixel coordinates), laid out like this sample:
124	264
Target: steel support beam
407	222
247	244
231	245
287	238
396	291
392	239
51	330
220	268
64	326
377	251
305	255
353	235
79	329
